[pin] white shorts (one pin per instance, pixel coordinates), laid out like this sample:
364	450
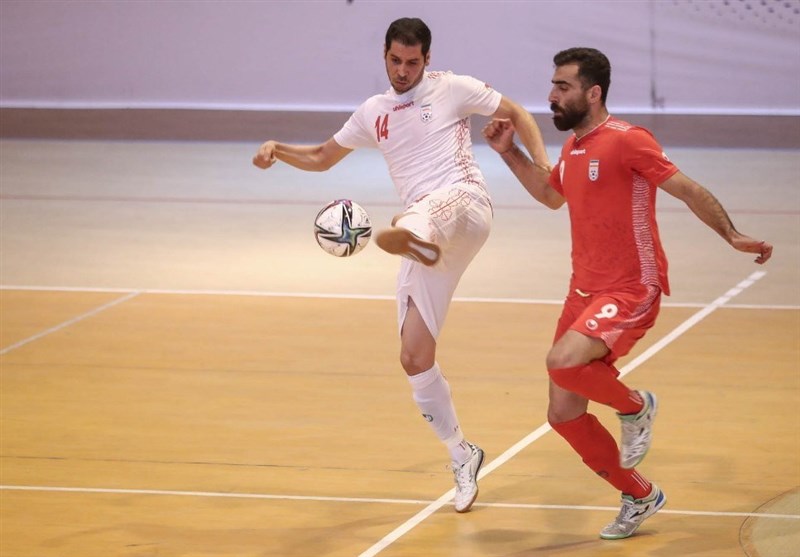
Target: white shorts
458	219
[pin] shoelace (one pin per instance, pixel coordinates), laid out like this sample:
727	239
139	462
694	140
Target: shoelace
463	477
626	512
633	431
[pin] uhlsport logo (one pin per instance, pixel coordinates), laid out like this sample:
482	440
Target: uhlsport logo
403	106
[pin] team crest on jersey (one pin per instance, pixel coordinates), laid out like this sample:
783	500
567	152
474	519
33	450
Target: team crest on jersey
594	170
426	113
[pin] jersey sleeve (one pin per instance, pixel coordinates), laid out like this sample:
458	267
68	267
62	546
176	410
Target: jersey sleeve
555	178
646	157
557	173
356	133
473	96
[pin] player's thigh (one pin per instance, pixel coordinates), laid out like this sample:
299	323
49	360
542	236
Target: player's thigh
460	217
619	319
574	349
417	344
430	288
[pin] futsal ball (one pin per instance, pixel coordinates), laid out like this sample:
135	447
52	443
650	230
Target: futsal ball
342	228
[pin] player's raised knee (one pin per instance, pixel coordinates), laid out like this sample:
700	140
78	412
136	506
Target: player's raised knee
565	377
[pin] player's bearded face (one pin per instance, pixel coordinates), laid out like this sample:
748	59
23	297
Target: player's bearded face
405	66
570	113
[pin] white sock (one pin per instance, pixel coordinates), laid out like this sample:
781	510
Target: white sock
432	394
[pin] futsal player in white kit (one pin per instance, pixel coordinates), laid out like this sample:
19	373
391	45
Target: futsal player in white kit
421	126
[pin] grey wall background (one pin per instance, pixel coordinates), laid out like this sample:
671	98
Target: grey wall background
668	56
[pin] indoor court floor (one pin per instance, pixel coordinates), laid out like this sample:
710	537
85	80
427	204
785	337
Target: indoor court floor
184	373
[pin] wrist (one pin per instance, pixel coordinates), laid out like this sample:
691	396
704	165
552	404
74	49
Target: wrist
510	150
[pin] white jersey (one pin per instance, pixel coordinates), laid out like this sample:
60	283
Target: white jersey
424	134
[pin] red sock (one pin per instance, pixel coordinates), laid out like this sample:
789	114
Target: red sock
598	382
599	452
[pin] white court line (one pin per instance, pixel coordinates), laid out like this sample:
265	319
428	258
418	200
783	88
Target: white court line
404	528
267	294
224	495
69	322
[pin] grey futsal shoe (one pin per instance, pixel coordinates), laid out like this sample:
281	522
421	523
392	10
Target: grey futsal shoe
637	432
633	513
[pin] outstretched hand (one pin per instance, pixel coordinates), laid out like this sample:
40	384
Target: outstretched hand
750	245
265	156
499	134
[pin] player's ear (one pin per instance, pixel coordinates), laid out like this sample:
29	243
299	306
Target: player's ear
595	93
427	59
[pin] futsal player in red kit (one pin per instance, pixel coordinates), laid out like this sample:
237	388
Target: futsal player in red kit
608	175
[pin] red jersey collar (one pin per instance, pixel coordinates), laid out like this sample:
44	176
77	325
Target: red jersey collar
591	131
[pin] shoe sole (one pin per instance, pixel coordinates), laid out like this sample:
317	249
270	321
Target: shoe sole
653	412
399	241
477	470
658	508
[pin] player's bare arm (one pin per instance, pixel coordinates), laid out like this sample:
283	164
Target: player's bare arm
709	210
315	158
529	133
499	134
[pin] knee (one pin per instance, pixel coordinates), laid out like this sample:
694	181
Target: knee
567	378
414	363
562	368
557	359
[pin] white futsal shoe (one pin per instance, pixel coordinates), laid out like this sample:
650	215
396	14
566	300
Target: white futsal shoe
403	242
466	478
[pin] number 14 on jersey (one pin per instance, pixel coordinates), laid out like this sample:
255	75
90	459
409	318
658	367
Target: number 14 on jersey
382	127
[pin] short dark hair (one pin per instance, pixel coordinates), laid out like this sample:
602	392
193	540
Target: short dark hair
409	31
593	67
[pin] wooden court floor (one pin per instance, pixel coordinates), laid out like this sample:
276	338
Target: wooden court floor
181	377
229	425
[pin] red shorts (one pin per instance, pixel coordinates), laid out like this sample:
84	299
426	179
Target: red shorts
619	319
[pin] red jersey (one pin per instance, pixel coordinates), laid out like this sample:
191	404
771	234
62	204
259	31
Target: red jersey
609	178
